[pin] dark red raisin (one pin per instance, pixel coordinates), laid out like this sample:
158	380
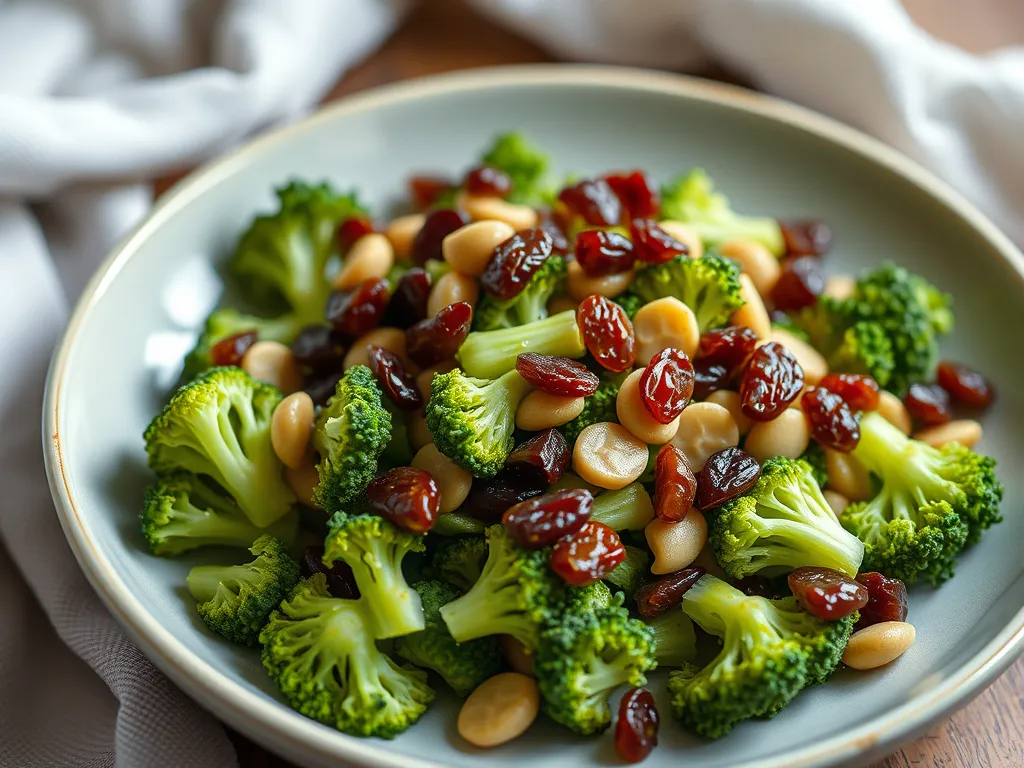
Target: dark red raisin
966	386
800	284
607	332
652	244
341	582
772	381
594	201
489	498
557	375
827	594
321	388
674	485
667	592
636	193
547	454
726	474
806	238
487	181
316	347
541	521
603	252
231	350
406	496
636	730
729	347
666	384
351	230
514	262
399	386
357	312
437	226
887	600
439	338
928	404
708	378
408	304
425	190
559	242
859	392
833	423
588	555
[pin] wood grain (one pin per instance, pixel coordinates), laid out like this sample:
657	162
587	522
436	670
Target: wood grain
442	35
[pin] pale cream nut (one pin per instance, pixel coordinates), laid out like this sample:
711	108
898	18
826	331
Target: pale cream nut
500	709
704	429
419	435
814	365
302	482
786	435
840	286
452	480
469	249
892	409
753	313
878	645
401	233
452	288
425	378
371	256
580	285
847	476
635	417
967	432
290	429
836	501
608	456
755	260
732	403
494	208
541	410
686	235
273	363
676	545
515	653
664	323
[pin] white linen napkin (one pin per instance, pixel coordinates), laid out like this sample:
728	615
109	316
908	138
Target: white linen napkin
97	96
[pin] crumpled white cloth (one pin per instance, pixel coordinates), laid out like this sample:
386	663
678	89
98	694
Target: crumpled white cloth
97	96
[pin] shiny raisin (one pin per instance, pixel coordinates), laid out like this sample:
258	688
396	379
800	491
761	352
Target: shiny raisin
859	392
358	311
559	242
514	263
557	375
887	600
406	496
636	730
674	485
726	474
594	201
833	423
666	384
806	238
490	497
487	181
772	381
397	383
602	252
729	347
667	592
316	347
965	385
589	555
541	521
408	304
547	454
652	244
928	404
439	338
341	582
426	190
437	226
800	284
607	332
321	388
708	378
825	593
636	193
231	350
352	229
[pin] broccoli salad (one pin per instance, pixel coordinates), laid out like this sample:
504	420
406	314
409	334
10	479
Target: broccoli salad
531	441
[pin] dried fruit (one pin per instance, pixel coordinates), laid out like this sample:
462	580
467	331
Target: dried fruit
321	388
356	312
541	521
603	252
833	423
588	555
607	332
928	404
408	304
666	384
801	283
514	262
674	485
652	244
429	342
425	190
594	201
667	592
487	181
406	496
316	347
489	498
825	593
636	730
351	230
708	378
729	347
965	385
437	226
557	375
772	381
887	600
726	474
806	238
231	350
547	454
636	193
859	392
341	582
397	384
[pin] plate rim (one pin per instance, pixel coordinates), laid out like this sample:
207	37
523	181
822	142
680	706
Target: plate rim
271	722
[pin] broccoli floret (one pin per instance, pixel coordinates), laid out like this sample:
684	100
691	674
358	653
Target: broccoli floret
584	658
182	512
597	408
374	549
223	323
517	594
218	425
782	523
710	286
692	199
235	600
463	666
321	653
526	165
771	650
594	597
460	561
628	574
457	524
351	433
472	420
849	344
627	509
675	641
281	260
529	306
816	459
933	502
490	354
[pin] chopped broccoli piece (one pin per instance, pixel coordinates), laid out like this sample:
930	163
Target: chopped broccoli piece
526	165
463	666
816	459
529	306
710	286
630	303
374	549
628	574
782	523
351	434
236	600
320	651
182	512
460	561
933	502
436	269
590	599
457	524
586	656
675	641
627	509
597	408
218	425
223	323
517	594
692	199
490	354
472	420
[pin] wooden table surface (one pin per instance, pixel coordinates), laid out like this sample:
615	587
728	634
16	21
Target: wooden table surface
443	35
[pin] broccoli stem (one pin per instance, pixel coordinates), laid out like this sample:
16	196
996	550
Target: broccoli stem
627	509
394	606
490	608
490	354
208	581
675	642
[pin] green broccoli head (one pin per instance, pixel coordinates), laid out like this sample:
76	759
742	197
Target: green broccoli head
182	512
223	323
490	354
630	303
374	549
582	601
460	561
710	286
462	665
321	653
770	651
529	306
626	509
351	434
472	420
281	260
218	425
597	408
517	594
782	523
526	165
675	641
933	502
816	459
630	573
235	600
586	656
692	199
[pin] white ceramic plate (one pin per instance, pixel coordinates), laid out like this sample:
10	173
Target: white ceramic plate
123	343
